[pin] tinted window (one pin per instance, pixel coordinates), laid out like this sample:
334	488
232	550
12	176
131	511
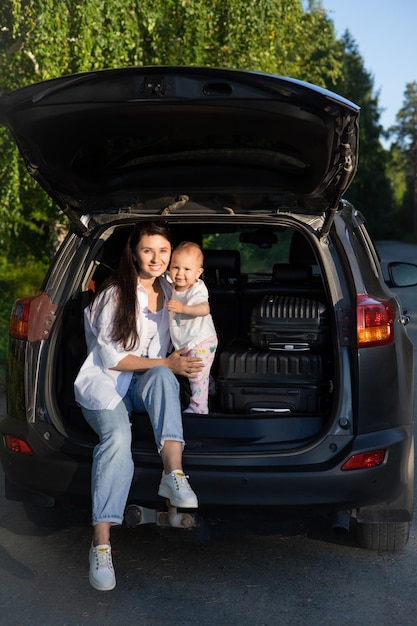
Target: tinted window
259	248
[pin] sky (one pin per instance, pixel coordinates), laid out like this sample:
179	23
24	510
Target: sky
385	33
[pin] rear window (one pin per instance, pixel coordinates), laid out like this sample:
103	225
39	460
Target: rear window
259	247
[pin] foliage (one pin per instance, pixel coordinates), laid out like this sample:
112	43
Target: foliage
17	279
370	191
43	39
405	152
402	219
254	258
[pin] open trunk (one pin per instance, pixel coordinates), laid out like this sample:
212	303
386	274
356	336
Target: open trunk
274	373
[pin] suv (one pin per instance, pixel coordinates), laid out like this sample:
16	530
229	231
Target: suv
311	410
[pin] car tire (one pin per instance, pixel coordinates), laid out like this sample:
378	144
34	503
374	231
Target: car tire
55	517
384	536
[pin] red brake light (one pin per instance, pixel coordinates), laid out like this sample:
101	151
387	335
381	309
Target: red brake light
374	321
32	318
365	460
19	318
17	445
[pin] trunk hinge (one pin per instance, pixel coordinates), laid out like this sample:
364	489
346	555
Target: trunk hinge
347	165
81	229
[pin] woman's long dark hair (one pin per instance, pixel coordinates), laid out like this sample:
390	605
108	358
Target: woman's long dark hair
125	279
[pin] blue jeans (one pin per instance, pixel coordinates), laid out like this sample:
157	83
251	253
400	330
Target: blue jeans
156	392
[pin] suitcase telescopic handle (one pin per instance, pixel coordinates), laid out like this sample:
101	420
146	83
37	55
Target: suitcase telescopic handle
294	347
260	409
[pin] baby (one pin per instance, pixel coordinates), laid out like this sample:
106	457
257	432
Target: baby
191	324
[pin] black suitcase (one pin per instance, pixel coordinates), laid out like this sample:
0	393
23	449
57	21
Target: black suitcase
258	381
288	323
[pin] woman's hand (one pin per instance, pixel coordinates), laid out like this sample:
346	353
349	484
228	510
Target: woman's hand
188	366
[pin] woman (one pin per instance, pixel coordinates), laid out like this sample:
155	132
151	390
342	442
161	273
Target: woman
127	369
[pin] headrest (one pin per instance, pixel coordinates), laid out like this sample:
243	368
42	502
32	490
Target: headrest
226	261
287	273
221	267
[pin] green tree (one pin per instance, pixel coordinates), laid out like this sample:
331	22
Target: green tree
402	218
370	191
404	151
42	39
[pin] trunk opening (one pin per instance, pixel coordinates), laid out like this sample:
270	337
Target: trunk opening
273	375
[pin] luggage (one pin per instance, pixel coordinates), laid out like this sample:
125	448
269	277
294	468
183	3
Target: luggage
288	323
259	381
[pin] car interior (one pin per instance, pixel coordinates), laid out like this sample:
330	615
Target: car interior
242	265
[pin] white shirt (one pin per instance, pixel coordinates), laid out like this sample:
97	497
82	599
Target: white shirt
189	330
154	319
97	386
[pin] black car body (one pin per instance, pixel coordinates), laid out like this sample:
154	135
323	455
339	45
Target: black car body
253	167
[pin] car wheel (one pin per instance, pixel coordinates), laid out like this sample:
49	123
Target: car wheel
55	517
384	536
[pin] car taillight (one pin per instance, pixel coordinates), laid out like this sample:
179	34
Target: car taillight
374	321
365	460
32	318
19	318
17	445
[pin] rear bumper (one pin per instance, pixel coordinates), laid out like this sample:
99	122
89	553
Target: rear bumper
233	483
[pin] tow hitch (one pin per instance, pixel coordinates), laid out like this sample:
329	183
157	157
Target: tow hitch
136	515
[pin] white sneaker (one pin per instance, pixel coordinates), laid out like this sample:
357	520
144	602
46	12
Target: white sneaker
176	488
102	575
